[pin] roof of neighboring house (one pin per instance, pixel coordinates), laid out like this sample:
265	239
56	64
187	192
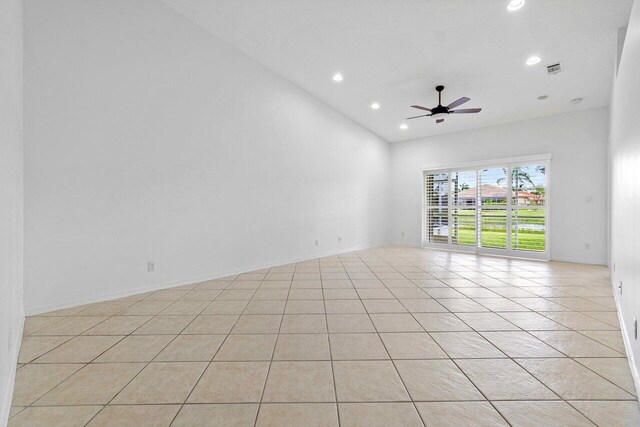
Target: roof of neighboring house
488	190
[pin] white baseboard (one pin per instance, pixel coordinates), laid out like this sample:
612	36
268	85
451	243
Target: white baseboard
627	343
15	351
30	311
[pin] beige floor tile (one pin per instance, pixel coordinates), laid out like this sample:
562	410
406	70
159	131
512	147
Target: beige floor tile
410	293
136	348
306	294
384	306
461	305
118	325
357	347
107	308
501	304
466	345
487	322
191	348
72	325
375	293
94	384
265	307
344	307
65	311
167	295
368	381
436	380
33	347
341	294
457	414
145	308
520	344
69	416
337	284
15	410
300	382
609	413
164	325
185	308
503	379
231	382
247	347
211	324
302	347
305	307
135	415
303	324
346	323
257	324
226	307
306	284
82	349
611	339
297	414
35	323
236	295
33	381
574	344
579	321
615	370
548	414
400	322
162	383
571	380
241	415
379	415
412	345
270	294
441	322
422	306
531	321
202	295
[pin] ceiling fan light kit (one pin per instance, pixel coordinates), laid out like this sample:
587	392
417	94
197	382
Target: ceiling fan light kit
440	112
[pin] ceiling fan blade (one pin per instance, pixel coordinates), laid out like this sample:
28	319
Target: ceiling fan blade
415	117
466	111
419	107
439	120
460	101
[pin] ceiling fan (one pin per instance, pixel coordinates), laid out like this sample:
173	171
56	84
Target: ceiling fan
441	111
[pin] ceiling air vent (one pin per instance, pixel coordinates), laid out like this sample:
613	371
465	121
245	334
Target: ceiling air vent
554	68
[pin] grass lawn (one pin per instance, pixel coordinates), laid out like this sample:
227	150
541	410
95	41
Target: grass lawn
526	240
494	233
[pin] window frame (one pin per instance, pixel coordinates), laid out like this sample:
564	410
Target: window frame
478	166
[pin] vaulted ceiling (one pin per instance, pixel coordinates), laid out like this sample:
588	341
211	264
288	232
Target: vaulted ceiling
394	52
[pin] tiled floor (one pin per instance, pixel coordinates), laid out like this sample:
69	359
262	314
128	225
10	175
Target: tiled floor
389	336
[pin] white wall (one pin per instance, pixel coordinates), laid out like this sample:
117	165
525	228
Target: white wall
625	185
577	142
146	138
11	312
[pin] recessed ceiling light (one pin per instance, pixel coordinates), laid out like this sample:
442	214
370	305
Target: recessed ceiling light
337	77
533	60
543	97
375	105
576	100
404	126
515	5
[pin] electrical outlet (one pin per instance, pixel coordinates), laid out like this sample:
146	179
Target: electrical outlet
339	239
316	243
151	266
588	199
402	234
587	246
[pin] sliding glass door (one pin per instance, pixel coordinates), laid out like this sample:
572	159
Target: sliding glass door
496	209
